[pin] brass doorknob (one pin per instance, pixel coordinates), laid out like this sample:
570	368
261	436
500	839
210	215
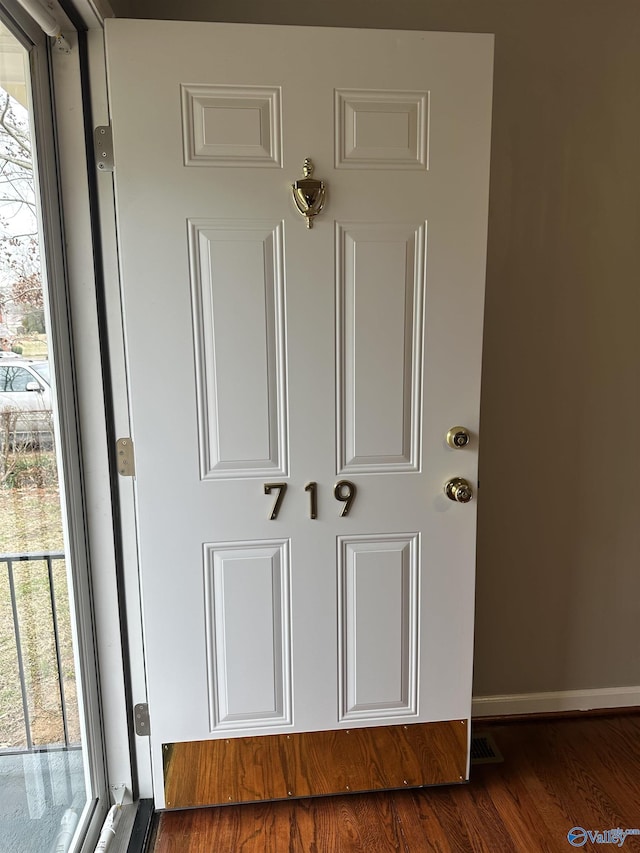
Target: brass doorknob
459	490
458	437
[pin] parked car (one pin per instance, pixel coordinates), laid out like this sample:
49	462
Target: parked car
25	402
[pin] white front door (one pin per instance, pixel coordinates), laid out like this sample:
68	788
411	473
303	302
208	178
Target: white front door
265	354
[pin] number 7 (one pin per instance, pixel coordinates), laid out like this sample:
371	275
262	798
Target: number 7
282	488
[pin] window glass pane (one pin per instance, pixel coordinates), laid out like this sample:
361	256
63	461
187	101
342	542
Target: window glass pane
43	770
14	379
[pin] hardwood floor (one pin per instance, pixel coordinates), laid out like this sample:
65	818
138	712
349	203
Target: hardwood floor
556	775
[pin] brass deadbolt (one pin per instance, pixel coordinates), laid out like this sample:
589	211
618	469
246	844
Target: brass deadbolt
458	437
458	490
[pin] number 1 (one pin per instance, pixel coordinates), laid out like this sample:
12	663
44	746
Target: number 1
312	488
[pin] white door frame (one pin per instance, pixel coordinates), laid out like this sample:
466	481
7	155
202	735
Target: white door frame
44	74
114	565
76	331
127	568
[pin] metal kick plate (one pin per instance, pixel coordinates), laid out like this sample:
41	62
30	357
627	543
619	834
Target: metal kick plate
311	764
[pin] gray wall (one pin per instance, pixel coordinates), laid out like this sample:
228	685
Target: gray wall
558	591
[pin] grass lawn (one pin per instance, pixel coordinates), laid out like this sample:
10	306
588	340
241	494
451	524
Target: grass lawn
30	521
33	346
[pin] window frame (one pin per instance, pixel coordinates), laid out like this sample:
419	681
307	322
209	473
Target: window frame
63	193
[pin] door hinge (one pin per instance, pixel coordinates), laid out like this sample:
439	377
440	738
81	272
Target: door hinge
141	718
103	145
126	459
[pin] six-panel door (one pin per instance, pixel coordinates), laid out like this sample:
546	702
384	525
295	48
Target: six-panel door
263	354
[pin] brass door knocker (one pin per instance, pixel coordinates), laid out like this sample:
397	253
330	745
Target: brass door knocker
309	194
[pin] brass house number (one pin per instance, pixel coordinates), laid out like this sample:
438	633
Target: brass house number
344	491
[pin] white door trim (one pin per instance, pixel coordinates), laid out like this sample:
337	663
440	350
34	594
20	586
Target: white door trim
103	601
112	658
66	224
121	413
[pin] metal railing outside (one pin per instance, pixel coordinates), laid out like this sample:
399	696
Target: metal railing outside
47	559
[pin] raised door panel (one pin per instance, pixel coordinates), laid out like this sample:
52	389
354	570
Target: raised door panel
237	281
231	126
378	611
248	633
381	130
379	342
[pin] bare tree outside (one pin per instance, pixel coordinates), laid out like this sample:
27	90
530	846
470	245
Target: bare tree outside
21	299
30	517
42	777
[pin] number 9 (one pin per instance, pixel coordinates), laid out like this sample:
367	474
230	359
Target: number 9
345	491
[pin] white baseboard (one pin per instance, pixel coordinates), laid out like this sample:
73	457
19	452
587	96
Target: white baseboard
562	700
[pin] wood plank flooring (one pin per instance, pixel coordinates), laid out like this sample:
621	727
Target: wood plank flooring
556	775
